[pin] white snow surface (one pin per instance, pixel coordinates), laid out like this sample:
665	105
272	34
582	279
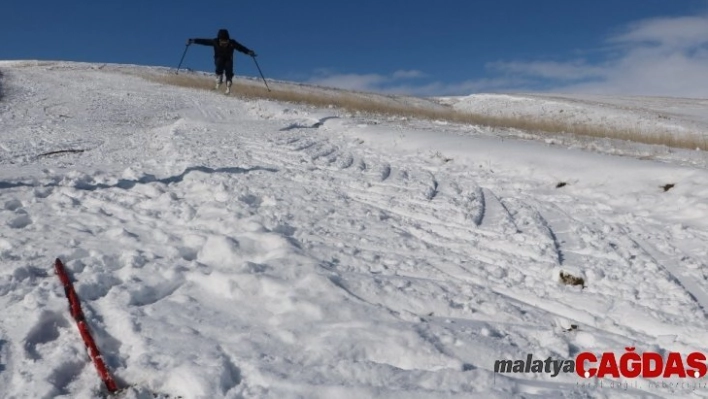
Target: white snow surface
642	115
230	248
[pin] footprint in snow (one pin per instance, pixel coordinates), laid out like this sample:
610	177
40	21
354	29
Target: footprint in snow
13	205
45	330
20	220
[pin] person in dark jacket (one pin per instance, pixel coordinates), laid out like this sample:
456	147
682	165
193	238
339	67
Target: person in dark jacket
224	48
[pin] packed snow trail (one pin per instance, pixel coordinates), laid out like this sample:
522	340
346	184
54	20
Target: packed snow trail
236	249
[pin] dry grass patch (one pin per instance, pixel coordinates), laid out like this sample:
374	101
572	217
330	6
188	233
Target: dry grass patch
569	279
572	327
394	106
667	187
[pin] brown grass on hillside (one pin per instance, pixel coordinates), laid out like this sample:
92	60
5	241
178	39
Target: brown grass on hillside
358	102
569	279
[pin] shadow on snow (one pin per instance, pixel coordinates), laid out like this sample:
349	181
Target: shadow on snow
313	126
127	184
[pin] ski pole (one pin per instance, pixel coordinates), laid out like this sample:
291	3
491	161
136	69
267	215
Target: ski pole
182	59
259	70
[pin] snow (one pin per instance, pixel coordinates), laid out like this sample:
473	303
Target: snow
226	248
644	114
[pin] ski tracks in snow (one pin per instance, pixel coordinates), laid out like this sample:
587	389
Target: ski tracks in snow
463	229
663	285
513	244
679	253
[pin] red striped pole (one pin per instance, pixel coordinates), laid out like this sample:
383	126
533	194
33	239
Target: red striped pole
78	315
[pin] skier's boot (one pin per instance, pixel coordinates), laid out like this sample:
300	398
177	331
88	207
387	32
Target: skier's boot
218	83
228	87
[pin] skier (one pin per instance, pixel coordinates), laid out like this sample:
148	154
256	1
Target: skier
224	48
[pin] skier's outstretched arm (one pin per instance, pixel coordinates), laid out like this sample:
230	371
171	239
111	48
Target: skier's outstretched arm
240	47
203	42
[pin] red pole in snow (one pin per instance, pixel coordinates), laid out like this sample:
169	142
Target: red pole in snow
78	315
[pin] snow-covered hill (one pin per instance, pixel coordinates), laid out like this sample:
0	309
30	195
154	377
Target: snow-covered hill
225	248
649	115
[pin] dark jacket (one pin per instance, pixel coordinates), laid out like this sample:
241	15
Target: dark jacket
223	50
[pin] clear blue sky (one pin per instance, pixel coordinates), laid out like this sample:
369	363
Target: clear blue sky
411	46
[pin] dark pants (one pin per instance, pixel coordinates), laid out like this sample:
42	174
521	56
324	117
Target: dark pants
224	66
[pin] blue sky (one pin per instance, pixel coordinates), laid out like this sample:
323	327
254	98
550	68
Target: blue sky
453	47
